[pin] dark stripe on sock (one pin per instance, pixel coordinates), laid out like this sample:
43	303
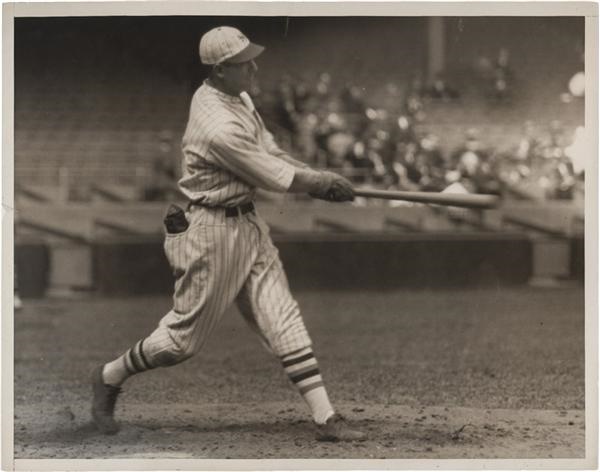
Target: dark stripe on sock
293	373
305	375
142	356
309	387
128	367
135	353
136	366
297	360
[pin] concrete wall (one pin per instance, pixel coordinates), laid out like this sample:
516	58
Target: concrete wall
32	264
341	263
130	266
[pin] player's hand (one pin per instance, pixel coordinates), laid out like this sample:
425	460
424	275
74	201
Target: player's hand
339	189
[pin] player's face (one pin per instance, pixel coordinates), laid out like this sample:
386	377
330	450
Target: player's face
238	78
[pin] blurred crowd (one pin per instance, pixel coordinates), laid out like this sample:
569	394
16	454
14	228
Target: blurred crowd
382	138
391	146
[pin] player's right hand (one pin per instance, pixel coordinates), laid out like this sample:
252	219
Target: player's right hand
339	189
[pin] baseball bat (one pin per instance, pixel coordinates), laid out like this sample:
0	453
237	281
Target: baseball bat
467	200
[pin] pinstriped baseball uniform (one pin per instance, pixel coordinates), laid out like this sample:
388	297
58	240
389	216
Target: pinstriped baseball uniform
226	254
218	260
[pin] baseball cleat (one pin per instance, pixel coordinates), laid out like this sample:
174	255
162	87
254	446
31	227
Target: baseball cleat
103	404
336	429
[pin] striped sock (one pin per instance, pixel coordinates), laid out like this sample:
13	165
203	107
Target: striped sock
303	370
132	362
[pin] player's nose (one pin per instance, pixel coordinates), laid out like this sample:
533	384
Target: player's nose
253	66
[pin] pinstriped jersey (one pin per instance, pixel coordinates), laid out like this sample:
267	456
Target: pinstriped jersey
228	153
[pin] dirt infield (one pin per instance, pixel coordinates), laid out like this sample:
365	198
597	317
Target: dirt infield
444	374
276	430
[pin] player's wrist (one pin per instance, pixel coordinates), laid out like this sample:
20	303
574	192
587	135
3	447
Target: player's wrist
310	181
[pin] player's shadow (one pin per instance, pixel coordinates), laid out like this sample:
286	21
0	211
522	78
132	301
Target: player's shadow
280	427
60	435
82	432
385	433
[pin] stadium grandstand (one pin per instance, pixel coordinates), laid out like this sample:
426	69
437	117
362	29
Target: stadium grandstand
477	104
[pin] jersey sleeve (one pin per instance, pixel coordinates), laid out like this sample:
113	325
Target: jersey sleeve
275	150
237	151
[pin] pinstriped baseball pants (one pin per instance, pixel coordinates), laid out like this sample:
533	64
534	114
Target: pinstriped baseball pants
218	261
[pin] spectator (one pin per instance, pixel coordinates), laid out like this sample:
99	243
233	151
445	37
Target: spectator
563	180
302	94
471	144
502	79
323	87
352	100
417	88
529	145
338	145
162	181
430	164
557	135
285	108
404	131
306	129
405	166
471	166
352	104
393	99
576	152
329	122
357	164
558	174
440	90
414	100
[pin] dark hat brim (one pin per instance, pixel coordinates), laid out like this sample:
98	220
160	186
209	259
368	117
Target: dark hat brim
247	54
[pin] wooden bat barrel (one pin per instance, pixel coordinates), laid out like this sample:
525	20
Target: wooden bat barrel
467	200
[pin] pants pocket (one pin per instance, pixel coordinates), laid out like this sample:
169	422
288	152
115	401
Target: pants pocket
180	248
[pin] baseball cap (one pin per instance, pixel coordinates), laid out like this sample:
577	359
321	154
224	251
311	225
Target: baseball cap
227	44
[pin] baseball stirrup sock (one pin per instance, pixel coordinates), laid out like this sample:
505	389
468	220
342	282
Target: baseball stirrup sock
303	370
132	362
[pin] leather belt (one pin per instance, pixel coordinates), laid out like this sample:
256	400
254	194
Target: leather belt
239	210
231	211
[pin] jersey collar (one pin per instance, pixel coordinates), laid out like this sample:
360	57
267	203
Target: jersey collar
222	95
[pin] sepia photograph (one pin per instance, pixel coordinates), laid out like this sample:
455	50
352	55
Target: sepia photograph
299	236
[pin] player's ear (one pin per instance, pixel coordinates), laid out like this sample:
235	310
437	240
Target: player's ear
218	70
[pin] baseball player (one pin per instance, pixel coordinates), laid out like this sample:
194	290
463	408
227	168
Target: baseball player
220	250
